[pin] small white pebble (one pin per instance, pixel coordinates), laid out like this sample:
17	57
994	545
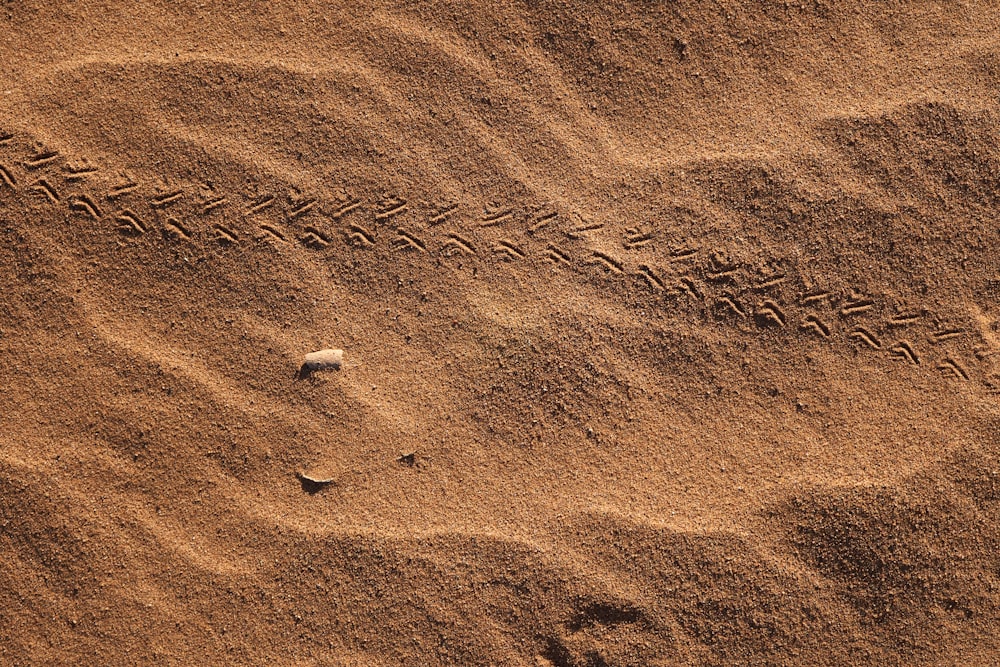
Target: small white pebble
324	359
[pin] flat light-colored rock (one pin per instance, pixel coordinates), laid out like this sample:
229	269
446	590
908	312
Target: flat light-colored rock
324	359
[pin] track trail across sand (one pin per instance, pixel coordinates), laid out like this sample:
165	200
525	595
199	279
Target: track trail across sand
643	266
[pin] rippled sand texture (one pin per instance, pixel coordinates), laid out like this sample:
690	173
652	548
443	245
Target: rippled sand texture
670	333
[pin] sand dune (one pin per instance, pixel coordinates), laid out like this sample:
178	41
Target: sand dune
669	334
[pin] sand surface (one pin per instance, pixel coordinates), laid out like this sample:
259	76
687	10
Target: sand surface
670	333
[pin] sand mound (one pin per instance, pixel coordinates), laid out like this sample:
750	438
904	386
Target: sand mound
671	334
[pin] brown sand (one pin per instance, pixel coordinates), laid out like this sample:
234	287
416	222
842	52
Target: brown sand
669	332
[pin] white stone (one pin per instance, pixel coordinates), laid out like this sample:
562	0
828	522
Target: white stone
323	359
